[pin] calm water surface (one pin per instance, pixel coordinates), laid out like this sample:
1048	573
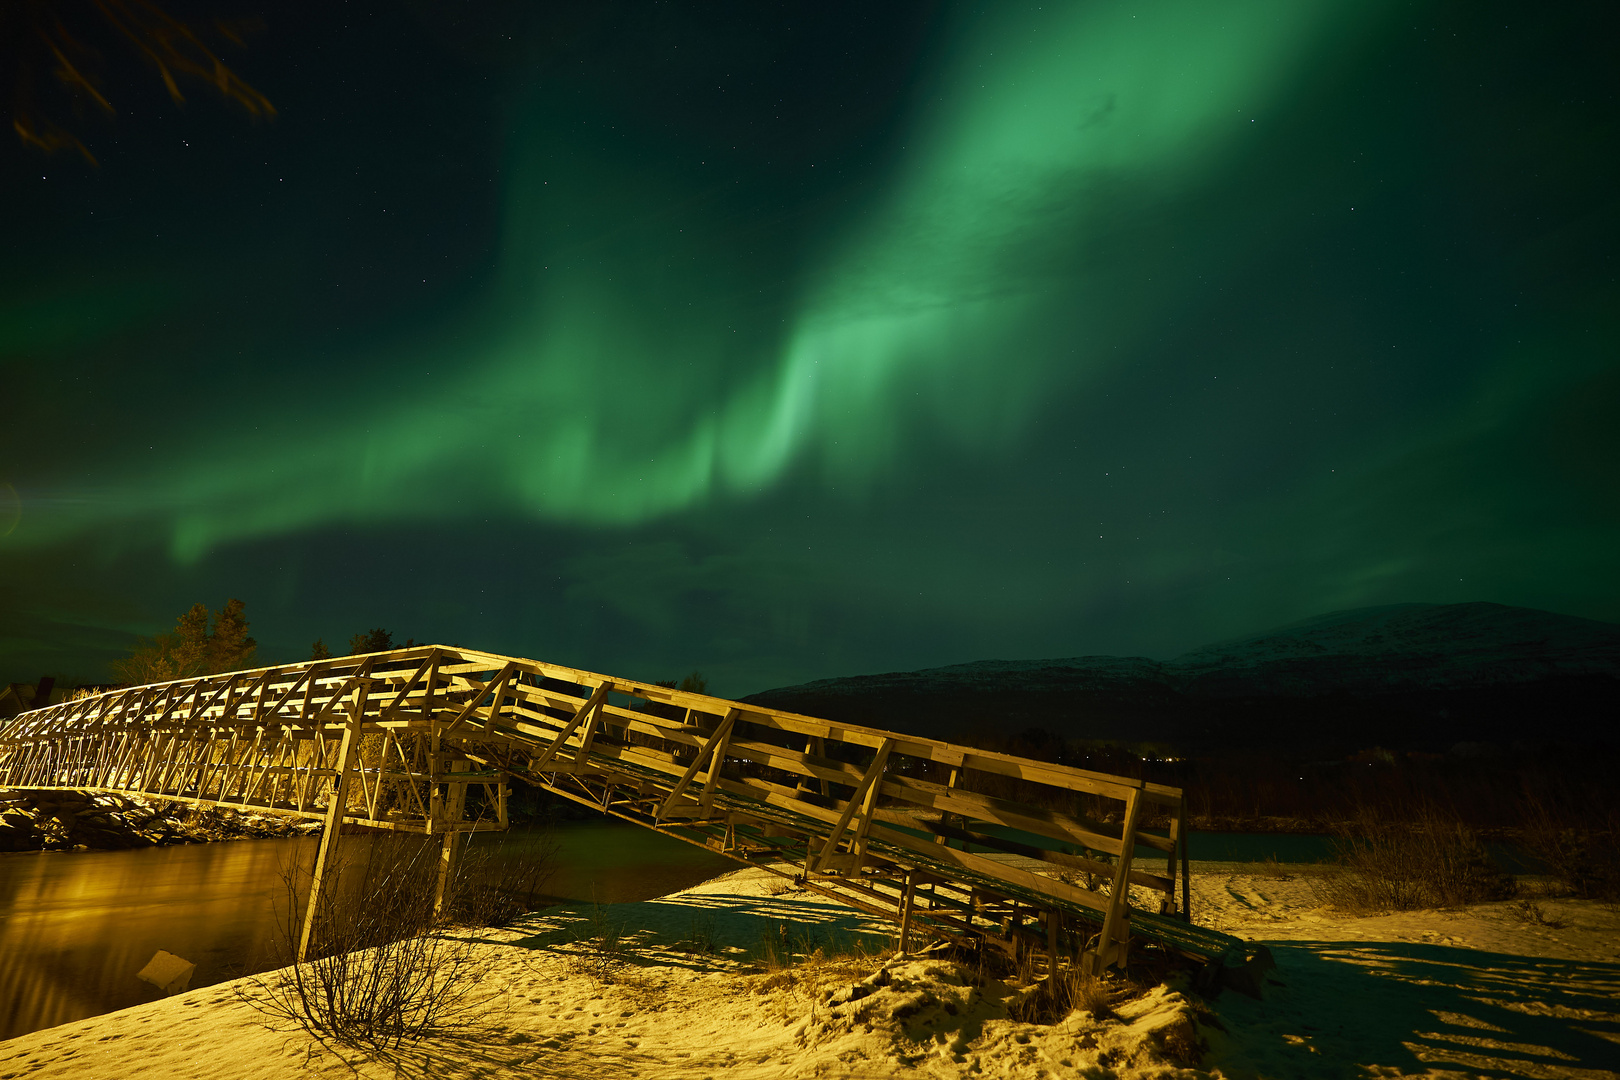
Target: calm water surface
75	927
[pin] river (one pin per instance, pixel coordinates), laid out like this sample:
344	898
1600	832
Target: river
75	927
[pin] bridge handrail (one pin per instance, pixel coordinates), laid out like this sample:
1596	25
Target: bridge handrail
872	809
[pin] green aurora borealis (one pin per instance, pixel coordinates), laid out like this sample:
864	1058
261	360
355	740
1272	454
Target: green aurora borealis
801	342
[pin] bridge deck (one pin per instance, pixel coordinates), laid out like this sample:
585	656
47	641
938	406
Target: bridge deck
942	839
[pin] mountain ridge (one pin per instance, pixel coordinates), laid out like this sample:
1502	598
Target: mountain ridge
1456	671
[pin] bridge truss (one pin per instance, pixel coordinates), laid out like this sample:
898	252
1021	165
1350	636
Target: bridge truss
941	839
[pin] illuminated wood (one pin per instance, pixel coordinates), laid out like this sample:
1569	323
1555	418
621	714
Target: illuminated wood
334	819
852	812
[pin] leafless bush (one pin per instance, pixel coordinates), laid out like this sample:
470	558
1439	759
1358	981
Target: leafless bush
1387	864
381	969
495	887
1530	911
1581	851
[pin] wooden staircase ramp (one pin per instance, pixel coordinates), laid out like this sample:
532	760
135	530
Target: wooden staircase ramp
942	839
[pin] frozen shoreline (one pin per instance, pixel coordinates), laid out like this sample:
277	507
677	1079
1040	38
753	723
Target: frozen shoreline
1431	992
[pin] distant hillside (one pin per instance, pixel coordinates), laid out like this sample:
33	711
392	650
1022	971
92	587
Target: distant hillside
1408	675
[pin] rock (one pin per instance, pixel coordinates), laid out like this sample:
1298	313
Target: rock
1245	974
167	972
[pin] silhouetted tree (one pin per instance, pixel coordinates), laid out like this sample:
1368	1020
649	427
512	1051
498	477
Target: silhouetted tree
319	651
198	646
375	640
52	43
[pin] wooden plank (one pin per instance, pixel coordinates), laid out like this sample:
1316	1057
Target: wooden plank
1157	882
864	792
591	704
1048	823
1115	931
705	753
334	818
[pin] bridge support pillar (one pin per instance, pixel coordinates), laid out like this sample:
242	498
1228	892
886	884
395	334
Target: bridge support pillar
454	806
334	817
907	900
1113	942
449	854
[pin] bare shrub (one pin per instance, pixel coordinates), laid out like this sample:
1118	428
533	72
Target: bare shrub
377	973
1392	865
1580	851
703	939
1530	911
381	968
496	888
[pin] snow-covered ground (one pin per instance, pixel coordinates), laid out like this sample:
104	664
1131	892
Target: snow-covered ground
1486	991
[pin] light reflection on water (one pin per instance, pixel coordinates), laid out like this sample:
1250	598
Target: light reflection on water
75	927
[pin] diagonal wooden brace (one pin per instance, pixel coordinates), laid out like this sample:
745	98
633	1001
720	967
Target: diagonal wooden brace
588	709
391	710
707	752
497	684
717	760
1112	942
863	797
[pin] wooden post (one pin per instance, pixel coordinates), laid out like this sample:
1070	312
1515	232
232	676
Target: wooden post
1186	873
449	853
1116	923
334	815
944	818
1053	921
454	838
1168	906
905	912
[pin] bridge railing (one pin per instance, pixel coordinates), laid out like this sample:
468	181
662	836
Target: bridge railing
967	842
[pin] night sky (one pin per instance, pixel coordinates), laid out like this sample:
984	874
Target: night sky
787	341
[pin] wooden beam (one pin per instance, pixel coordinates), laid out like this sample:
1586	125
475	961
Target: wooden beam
334	818
1111	947
705	752
864	794
592	703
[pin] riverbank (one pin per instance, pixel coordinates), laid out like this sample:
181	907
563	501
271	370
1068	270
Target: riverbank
1499	989
54	820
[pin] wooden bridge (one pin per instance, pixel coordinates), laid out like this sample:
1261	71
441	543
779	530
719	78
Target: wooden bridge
944	840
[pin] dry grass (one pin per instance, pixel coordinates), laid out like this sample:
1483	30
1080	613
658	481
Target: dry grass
1053	999
1271	868
603	948
790	944
1579	850
1530	911
1431	861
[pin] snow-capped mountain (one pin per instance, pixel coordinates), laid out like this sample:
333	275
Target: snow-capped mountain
1407	674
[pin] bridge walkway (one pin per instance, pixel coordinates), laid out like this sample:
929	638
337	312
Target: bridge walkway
914	830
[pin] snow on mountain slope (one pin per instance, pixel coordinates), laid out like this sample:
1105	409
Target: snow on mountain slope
1405	645
1403	673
